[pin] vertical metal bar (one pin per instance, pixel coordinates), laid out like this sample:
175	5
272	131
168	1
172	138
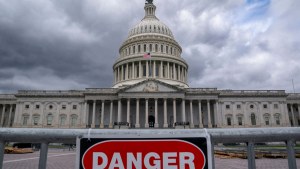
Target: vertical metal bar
212	154
2	144
43	156
251	155
290	145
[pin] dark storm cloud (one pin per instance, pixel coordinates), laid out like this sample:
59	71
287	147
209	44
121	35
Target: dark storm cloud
72	44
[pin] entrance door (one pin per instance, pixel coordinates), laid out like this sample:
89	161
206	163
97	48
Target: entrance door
151	121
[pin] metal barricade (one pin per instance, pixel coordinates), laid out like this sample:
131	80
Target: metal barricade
250	136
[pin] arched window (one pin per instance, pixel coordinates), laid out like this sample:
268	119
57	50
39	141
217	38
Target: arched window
139	49
145	48
167	49
253	119
156	48
133	49
62	120
161	48
73	120
150	48
49	119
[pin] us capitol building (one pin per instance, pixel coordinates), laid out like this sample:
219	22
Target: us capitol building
150	90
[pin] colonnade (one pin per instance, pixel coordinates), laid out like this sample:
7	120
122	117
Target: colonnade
134	112
150	68
7	111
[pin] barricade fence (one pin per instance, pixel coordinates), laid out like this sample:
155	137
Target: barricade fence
250	136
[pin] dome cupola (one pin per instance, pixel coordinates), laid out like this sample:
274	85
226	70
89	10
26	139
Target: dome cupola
150	52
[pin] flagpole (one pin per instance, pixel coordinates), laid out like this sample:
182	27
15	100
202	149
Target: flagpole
293	85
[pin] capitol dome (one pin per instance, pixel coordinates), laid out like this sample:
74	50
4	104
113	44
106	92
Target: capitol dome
150	52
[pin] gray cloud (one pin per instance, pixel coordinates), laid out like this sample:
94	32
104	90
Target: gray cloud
72	44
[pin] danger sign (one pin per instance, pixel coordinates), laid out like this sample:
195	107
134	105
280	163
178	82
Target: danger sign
179	153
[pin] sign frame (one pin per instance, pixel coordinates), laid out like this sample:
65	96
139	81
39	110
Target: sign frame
146	135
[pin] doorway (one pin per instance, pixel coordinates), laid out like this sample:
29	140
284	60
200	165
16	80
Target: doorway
151	121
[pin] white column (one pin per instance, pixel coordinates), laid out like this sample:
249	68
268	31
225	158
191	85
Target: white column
94	114
165	114
128	111
102	114
260	114
119	110
246	116
293	114
272	119
208	114
2	116
43	114
174	112
174	71
147	113
86	115
9	116
156	117
137	125
191	114
111	114
183	111
140	70
133	71
161	70
200	115
179	72
217	115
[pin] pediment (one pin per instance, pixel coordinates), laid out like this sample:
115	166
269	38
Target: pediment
149	86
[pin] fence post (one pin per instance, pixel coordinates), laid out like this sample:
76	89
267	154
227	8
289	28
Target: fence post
2	145
251	155
43	156
290	145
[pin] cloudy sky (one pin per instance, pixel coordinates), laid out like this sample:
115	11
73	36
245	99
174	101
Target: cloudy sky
72	44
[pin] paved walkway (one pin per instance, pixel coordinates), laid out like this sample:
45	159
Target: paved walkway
64	159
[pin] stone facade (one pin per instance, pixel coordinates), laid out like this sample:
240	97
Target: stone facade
150	91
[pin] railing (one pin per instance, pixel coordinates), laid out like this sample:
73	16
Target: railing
250	136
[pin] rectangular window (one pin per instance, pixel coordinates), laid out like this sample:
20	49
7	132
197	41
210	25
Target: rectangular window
228	121
63	107
275	106
27	106
238	106
267	122
227	106
240	121
74	107
265	106
37	106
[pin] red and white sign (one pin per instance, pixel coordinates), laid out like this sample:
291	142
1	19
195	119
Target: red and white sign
144	154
